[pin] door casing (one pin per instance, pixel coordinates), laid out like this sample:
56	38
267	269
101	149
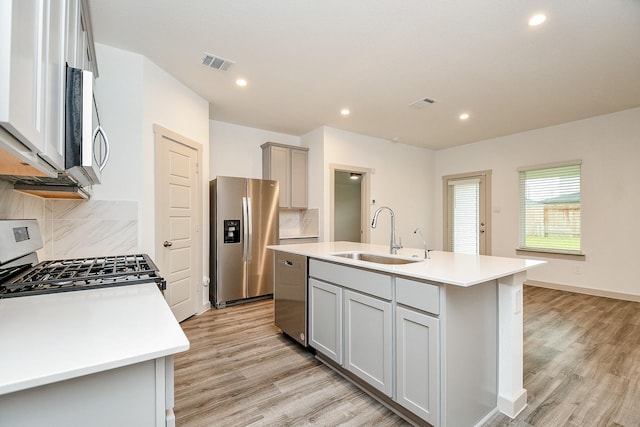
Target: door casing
365	196
484	178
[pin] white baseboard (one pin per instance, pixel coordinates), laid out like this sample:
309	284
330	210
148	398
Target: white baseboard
586	291
513	405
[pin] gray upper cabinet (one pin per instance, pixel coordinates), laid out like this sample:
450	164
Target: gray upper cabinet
288	165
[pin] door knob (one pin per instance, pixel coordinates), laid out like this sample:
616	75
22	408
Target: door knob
167	244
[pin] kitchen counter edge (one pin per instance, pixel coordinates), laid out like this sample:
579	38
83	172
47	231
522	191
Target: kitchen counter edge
126	312
443	267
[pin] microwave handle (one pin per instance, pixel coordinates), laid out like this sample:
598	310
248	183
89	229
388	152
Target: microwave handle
100	131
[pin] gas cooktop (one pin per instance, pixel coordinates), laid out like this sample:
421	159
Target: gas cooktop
79	274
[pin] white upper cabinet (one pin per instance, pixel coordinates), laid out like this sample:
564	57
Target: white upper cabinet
55	73
23	69
37	39
287	165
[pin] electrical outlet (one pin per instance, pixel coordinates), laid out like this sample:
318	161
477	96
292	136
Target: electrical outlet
517	307
577	269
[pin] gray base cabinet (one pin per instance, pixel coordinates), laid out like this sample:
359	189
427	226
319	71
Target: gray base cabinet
427	349
418	363
325	319
368	342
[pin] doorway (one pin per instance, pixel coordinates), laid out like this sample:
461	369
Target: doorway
467	207
178	219
349	196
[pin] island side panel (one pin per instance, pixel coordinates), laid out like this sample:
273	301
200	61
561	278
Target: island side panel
512	396
470	353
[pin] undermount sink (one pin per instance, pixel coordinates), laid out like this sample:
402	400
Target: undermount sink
379	259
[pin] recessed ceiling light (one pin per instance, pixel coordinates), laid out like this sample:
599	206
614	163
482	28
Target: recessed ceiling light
537	20
345	112
464	116
241	82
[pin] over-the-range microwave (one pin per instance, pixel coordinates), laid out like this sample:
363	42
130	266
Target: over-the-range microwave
86	143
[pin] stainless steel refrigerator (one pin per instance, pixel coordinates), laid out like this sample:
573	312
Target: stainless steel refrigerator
244	220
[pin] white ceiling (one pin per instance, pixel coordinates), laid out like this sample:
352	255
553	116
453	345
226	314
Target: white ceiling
304	60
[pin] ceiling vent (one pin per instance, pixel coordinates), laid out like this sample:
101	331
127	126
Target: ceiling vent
213	61
421	103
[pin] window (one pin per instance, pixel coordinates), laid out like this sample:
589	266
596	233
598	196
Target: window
550	208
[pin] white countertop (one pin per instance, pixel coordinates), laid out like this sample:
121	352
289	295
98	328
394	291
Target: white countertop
54	337
444	267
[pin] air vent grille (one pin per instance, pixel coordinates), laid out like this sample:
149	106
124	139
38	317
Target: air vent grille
421	103
216	62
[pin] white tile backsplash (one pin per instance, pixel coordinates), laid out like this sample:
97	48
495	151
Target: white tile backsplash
12	203
93	237
75	228
93	209
91	228
309	222
298	223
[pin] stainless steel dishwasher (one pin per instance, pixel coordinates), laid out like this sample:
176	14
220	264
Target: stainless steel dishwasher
290	295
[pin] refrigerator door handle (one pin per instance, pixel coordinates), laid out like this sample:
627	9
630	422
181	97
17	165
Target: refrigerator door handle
245	228
249	229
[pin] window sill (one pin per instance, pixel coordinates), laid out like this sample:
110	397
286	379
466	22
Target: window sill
545	253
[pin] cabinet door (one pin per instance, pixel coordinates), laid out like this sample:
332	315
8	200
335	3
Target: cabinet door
368	339
22	62
325	319
418	364
298	178
280	171
74	29
53	150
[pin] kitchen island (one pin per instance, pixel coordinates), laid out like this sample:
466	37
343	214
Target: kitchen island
438	340
99	357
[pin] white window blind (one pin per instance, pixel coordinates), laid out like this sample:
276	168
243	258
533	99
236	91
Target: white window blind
550	208
465	208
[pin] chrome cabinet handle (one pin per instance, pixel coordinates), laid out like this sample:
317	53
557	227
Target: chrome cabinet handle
167	244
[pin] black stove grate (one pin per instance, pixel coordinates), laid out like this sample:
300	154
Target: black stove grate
83	273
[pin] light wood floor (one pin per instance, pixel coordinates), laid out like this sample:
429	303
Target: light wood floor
582	368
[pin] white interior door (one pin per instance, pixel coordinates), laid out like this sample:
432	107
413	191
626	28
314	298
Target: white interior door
466	213
177	221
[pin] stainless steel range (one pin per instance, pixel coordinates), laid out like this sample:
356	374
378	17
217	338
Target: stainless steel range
22	275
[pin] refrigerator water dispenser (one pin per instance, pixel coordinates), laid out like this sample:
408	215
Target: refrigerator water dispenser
232	231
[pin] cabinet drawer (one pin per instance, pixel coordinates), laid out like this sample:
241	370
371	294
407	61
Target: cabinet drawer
420	295
365	281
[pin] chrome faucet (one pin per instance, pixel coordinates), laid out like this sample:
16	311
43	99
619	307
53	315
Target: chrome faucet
424	243
393	246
